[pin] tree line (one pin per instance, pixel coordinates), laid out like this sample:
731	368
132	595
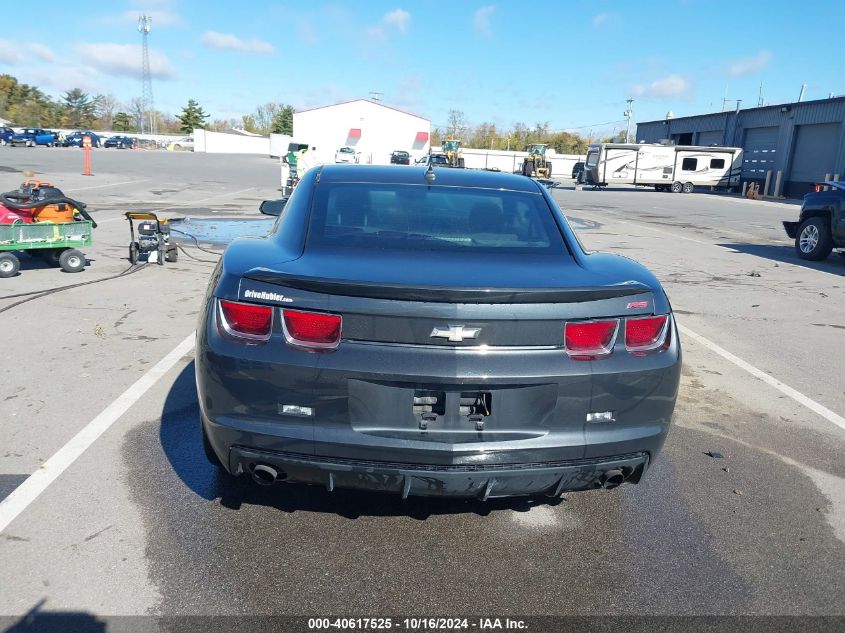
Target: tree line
29	106
516	138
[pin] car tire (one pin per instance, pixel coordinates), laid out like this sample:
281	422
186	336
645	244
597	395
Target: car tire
688	187
813	241
9	265
677	187
72	261
210	455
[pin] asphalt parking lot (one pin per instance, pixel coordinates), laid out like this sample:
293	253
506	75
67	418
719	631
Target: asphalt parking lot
141	524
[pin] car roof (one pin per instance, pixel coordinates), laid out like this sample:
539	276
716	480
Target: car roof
382	174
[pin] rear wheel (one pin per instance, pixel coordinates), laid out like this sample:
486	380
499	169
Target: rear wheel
813	241
72	260
172	254
688	187
9	265
677	187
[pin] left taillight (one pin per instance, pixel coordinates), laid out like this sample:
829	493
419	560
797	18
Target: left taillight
590	340
311	330
246	320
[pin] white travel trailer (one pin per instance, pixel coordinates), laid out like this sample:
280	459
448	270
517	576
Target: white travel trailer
676	168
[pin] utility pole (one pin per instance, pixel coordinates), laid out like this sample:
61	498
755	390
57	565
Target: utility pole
145	25
760	98
628	114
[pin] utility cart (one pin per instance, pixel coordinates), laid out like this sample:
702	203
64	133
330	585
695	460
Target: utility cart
56	243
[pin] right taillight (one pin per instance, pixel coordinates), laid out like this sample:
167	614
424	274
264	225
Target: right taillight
246	320
589	340
646	333
311	330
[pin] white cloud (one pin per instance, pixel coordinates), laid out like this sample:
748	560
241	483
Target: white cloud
669	87
9	53
68	77
396	20
229	42
42	52
749	65
124	60
481	20
600	19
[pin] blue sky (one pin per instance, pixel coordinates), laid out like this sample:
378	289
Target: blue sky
569	63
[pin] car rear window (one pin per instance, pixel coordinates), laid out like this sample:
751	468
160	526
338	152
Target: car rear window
423	218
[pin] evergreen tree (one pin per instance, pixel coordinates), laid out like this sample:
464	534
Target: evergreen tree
192	117
122	121
79	109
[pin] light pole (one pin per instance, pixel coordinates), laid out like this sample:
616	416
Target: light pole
145	25
628	114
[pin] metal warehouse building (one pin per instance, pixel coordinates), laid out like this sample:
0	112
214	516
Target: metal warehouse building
372	129
805	140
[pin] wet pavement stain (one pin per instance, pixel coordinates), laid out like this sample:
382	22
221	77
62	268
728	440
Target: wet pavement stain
677	543
219	231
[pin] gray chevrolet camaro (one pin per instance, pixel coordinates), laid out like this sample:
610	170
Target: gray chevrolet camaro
433	332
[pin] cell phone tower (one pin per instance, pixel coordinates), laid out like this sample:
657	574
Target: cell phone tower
145	25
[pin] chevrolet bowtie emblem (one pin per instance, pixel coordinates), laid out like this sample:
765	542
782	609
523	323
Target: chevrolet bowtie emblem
455	333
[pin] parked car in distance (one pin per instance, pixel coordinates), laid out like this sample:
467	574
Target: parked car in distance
75	139
433	159
6	134
120	142
578	171
400	157
32	136
345	155
182	145
513	362
821	224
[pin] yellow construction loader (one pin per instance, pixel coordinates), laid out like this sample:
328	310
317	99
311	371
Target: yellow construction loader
536	164
452	149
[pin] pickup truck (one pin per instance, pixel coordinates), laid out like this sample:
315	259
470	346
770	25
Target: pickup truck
33	136
821	225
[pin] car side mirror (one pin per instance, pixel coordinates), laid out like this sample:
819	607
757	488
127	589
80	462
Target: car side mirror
273	207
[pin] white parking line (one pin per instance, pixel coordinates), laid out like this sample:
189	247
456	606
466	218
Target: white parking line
50	470
114	184
799	397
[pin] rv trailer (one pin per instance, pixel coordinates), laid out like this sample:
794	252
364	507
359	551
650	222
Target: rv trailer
676	168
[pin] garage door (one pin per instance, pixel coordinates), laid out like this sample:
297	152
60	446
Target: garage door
760	151
815	152
711	137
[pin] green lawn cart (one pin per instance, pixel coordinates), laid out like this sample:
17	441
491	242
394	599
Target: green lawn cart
56	243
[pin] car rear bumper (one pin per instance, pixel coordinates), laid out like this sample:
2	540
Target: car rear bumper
480	481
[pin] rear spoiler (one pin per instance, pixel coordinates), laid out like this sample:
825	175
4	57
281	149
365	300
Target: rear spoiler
443	294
